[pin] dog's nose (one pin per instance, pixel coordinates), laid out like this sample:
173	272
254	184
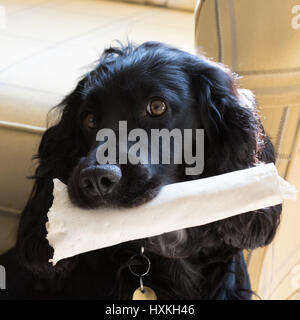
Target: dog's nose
99	180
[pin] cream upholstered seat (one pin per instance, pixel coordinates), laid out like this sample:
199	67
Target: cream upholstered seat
260	40
45	46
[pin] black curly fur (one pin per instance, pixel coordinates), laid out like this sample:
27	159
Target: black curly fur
197	263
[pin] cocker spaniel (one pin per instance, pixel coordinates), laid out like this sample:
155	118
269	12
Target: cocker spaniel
152	85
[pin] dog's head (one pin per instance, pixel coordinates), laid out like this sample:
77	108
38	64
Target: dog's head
149	87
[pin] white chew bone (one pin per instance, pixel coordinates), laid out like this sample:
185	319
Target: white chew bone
72	230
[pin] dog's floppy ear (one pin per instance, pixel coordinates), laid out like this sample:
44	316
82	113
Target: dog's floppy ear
63	143
231	126
235	140
61	146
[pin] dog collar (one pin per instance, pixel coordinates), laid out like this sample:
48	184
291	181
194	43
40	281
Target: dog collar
142	292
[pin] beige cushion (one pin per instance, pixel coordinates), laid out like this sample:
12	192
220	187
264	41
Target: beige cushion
44	49
259	41
177	4
23	119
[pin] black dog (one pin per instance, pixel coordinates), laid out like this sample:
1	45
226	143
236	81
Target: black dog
151	86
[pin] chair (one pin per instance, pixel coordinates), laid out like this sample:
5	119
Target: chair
260	40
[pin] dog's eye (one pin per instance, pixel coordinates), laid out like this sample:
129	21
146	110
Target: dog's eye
156	107
89	122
